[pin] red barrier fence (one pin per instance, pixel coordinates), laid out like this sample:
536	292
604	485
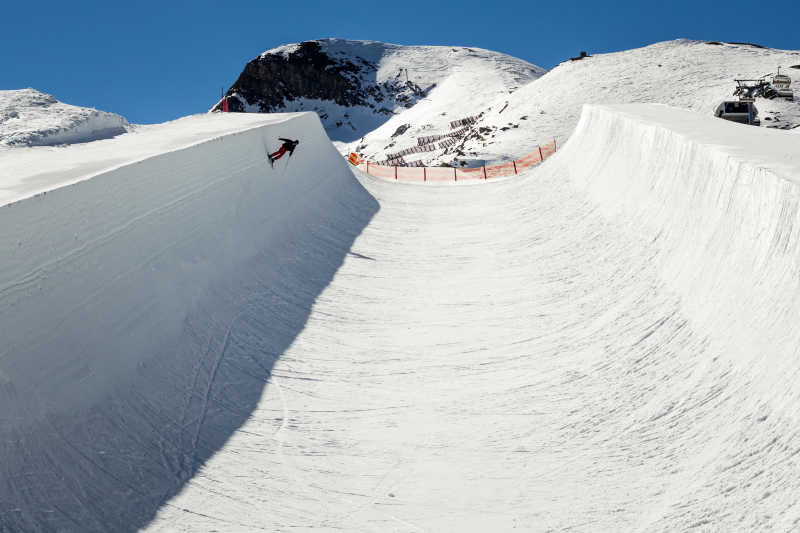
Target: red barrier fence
441	174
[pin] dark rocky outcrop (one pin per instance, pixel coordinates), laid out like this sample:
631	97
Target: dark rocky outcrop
272	80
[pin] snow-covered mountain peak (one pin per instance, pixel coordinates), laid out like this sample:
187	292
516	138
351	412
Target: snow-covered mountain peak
358	86
683	73
28	97
29	117
430	105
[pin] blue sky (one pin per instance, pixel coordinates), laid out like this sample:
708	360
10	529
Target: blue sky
154	61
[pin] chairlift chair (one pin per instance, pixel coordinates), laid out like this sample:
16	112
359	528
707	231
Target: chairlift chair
782	84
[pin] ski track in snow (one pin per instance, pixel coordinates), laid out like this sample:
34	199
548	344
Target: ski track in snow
440	368
606	342
509	356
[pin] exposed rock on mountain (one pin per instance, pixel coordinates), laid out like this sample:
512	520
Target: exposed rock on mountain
272	80
356	86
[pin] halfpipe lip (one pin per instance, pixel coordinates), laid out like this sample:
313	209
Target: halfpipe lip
775	150
31	171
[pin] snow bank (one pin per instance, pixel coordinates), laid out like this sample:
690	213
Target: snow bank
119	371
38	169
721	199
719	206
31	118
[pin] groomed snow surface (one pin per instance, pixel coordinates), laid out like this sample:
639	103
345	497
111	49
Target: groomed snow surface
196	342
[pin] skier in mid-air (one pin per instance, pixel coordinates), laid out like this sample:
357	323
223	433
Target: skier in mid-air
287	146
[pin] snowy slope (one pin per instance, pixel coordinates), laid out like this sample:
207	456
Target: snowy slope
686	74
34	170
516	105
124	294
607	343
358	87
31	118
193	341
604	343
682	73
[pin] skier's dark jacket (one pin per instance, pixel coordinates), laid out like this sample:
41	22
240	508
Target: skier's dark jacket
289	144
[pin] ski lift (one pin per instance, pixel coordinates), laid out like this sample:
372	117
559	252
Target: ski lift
747	90
782	85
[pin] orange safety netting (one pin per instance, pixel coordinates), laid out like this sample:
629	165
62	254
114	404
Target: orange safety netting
411	173
466	174
380	171
499	171
548	149
440	174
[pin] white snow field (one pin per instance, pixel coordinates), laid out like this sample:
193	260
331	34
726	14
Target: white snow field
608	342
31	118
683	73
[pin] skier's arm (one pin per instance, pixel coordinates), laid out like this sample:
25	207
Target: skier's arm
282	139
